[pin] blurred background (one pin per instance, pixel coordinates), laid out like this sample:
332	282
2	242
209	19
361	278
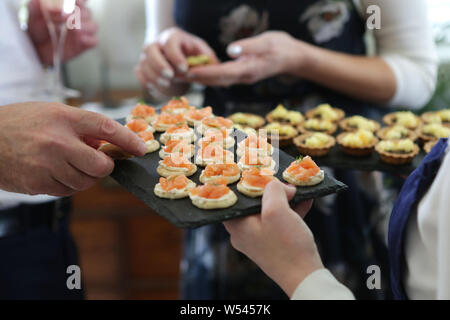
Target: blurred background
126	250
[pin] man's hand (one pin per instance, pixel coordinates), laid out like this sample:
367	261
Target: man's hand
278	240
77	41
50	148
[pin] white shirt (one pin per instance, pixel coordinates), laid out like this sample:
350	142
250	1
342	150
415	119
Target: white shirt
20	74
427	250
404	42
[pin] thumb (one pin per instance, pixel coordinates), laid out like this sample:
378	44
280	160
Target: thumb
249	46
275	198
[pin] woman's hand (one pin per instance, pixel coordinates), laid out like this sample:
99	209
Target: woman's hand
77	42
278	240
164	60
257	58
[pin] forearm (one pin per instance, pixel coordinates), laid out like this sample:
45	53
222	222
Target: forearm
361	77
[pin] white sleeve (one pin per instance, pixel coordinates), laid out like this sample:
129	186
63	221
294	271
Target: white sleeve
405	42
321	285
159	15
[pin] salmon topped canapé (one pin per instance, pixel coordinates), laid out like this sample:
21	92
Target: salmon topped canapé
137	125
174	182
177	145
177	106
170	119
176	160
254	142
303	169
215	152
218	123
257	177
222	169
199	114
211	190
178	128
142	111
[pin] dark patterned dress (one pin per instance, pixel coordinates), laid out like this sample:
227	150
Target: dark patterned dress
210	267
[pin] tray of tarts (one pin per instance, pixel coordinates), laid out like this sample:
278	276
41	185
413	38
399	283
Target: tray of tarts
222	185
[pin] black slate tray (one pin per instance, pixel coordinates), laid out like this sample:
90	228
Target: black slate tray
337	159
139	176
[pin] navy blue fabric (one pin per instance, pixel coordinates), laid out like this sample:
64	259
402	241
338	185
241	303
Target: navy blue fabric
412	192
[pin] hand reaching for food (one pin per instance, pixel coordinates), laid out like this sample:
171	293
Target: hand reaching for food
278	240
49	148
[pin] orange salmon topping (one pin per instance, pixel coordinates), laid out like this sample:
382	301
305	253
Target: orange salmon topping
216	134
177	103
212	190
253	141
258	177
218	122
146	135
182	146
137	125
168	119
177	160
178	128
142	111
173	182
226	169
303	169
254	159
213	151
200	114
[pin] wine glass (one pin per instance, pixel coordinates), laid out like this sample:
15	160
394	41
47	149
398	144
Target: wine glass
56	14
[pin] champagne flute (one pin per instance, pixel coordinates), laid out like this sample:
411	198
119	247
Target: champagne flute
56	14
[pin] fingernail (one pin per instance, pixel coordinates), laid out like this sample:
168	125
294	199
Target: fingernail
234	51
163	82
142	148
167	73
183	68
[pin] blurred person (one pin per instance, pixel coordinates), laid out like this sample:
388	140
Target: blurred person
317	55
283	246
35	244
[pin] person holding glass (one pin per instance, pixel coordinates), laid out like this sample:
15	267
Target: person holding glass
35	244
303	54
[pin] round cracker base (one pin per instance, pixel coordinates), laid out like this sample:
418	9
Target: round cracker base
311	181
163	172
249	193
230	180
226	203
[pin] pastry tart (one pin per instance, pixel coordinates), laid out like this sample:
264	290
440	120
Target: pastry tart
150	142
180	131
139	125
215	124
317	125
213	154
397	152
195	116
228	171
216	137
357	122
254	160
433	131
403	118
174	187
182	147
396	132
254	181
178	105
213	195
359	143
430	145
314	144
282	115
326	112
246	130
304	172
198	60
176	164
440	116
142	111
247	120
165	121
279	133
255	143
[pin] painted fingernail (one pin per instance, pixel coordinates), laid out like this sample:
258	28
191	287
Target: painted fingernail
234	51
163	82
183	68
167	73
